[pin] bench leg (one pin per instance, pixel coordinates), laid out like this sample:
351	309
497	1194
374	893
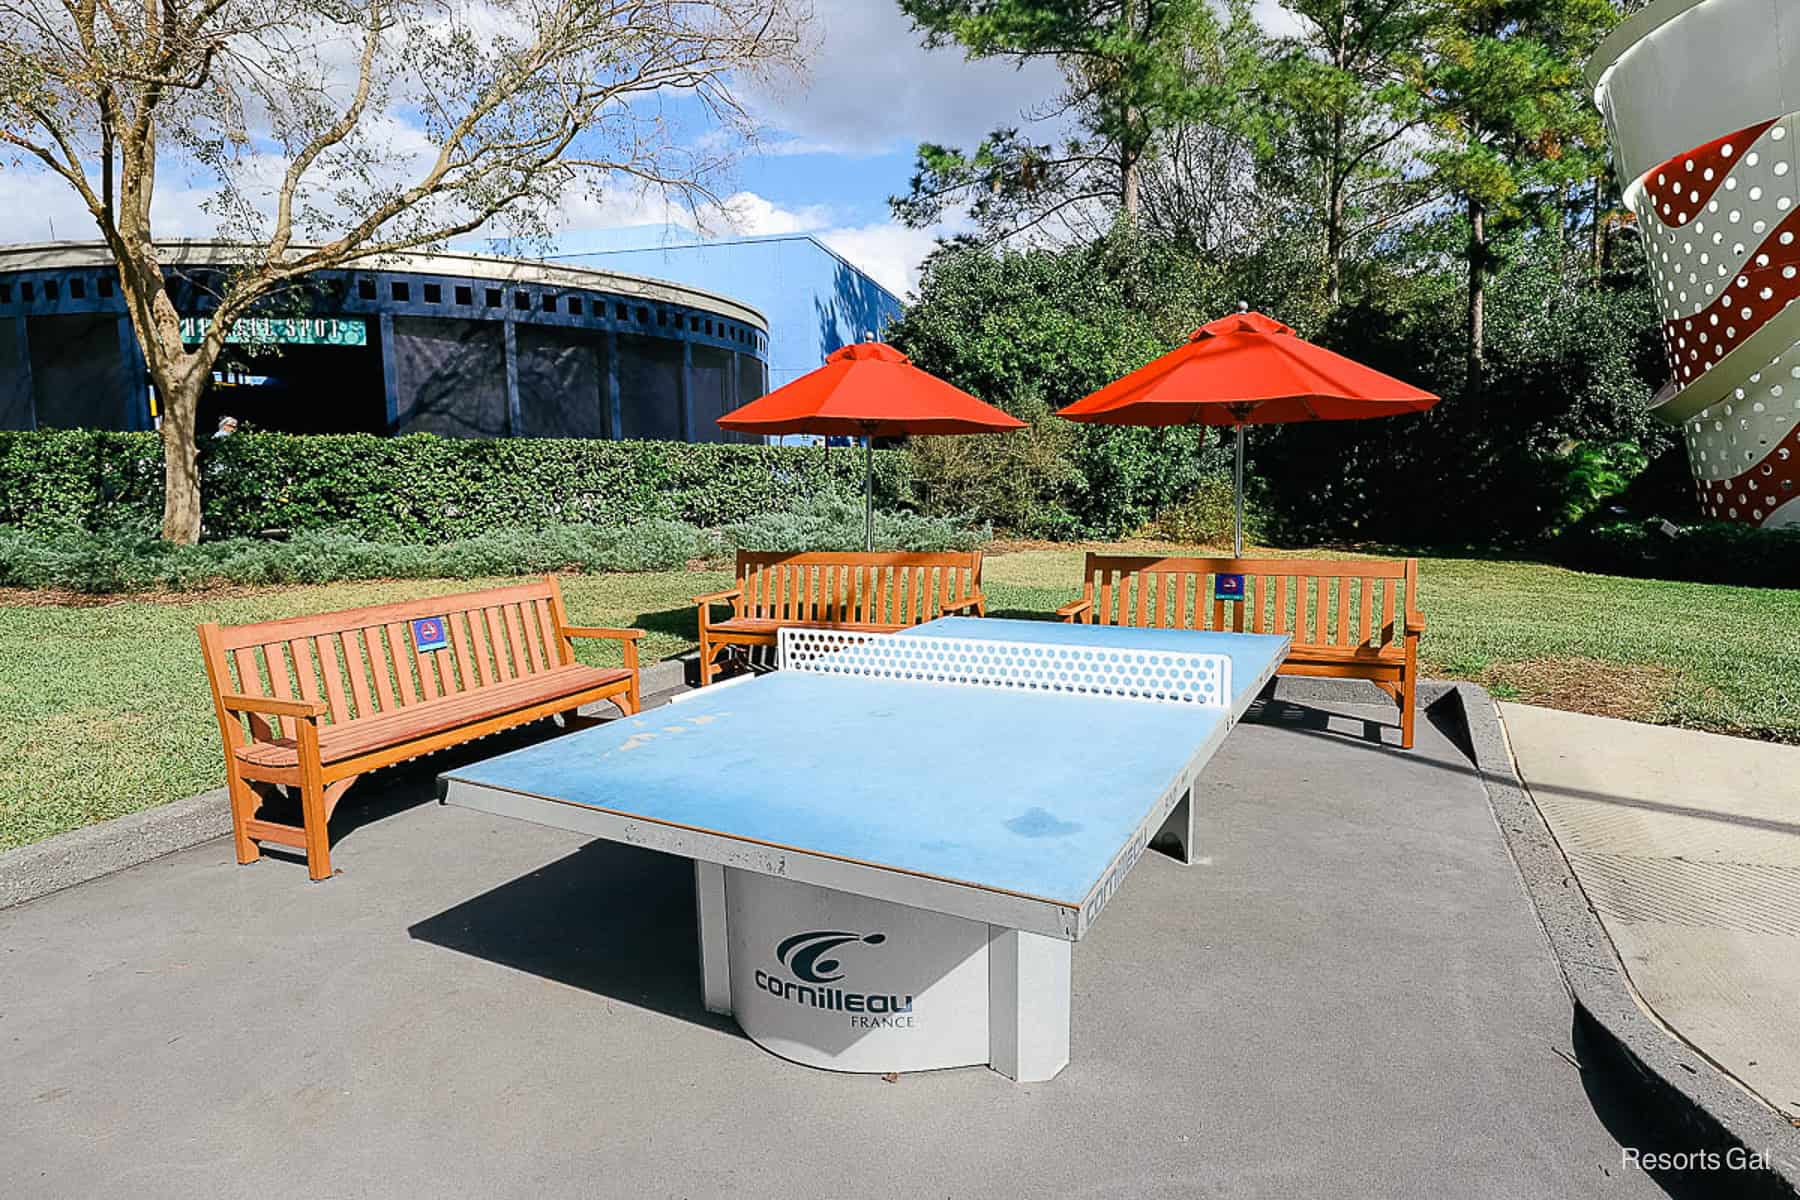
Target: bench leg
707	669
1409	696
318	835
244	805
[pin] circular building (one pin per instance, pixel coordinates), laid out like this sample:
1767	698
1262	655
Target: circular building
1701	100
462	345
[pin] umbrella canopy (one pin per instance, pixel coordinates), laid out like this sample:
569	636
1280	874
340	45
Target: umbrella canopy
1247	369
868	390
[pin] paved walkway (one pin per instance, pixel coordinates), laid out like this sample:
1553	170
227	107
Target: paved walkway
1349	996
1688	845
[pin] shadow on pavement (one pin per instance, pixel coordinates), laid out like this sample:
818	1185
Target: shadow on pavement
1622	1102
614	920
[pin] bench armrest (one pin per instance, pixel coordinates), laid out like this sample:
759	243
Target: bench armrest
1415	622
719	597
272	706
627	639
600	631
974	600
1074	608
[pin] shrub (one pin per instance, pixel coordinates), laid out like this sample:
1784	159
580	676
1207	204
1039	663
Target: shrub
1708	552
832	523
1205	516
119	562
419	489
1025	482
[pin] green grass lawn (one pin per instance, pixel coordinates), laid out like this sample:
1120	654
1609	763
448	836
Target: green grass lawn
104	708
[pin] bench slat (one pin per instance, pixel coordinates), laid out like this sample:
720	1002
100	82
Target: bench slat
515	641
334	683
350	645
401	662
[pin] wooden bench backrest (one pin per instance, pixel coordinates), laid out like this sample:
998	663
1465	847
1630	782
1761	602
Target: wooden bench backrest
870	589
1318	602
364	662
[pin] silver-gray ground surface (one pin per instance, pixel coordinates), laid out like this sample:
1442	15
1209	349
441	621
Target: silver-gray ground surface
1349	996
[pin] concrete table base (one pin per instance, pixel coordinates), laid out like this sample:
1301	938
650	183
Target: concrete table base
851	983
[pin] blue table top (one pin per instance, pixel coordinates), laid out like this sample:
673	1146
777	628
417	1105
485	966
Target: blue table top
1026	792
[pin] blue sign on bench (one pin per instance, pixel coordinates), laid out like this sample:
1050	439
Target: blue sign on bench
429	634
1228	587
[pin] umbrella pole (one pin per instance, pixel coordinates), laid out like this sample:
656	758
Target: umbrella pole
1237	515
868	493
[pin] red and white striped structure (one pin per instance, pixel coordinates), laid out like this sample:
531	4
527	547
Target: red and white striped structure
1702	105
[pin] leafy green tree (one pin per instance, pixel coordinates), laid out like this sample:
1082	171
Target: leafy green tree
1130	72
1337	115
1513	131
1033	330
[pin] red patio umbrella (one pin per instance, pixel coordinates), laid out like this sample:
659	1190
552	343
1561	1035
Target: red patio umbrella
868	390
1247	369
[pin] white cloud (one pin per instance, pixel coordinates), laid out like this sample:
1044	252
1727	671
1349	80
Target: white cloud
873	88
889	252
751	214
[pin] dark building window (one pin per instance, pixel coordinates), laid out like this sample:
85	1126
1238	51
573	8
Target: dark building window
620	312
365	289
493	297
662	316
25	293
106	287
400	290
50	290
522	301
5	293
643	316
465	295
574	306
549	304
434	293
77	288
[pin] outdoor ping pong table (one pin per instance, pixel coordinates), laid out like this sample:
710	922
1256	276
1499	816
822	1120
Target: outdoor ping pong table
897	839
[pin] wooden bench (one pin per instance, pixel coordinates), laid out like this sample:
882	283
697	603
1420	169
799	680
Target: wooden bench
313	703
1348	618
828	590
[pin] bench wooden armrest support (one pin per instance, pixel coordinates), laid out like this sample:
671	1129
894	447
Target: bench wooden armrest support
974	600
330	697
627	638
272	706
1075	608
719	597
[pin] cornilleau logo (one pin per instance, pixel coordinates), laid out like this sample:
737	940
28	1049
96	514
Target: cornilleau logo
804	953
811	958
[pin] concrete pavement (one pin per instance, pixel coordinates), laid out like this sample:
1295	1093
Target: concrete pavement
1688	845
1349	996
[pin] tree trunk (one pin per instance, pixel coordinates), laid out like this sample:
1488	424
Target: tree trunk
1128	186
1477	297
1334	241
181	470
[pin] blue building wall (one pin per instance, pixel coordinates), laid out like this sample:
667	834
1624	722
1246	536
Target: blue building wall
815	300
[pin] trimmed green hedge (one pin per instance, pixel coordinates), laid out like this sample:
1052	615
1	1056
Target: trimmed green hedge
1707	552
420	488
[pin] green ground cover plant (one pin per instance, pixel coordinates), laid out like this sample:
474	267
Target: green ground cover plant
104	709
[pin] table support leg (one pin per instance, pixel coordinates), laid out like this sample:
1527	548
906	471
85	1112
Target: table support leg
709	906
1176	837
1028	1004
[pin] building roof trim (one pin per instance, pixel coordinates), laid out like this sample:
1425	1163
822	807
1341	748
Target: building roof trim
67	255
740	240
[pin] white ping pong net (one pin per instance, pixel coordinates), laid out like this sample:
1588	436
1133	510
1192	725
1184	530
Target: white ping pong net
1108	672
